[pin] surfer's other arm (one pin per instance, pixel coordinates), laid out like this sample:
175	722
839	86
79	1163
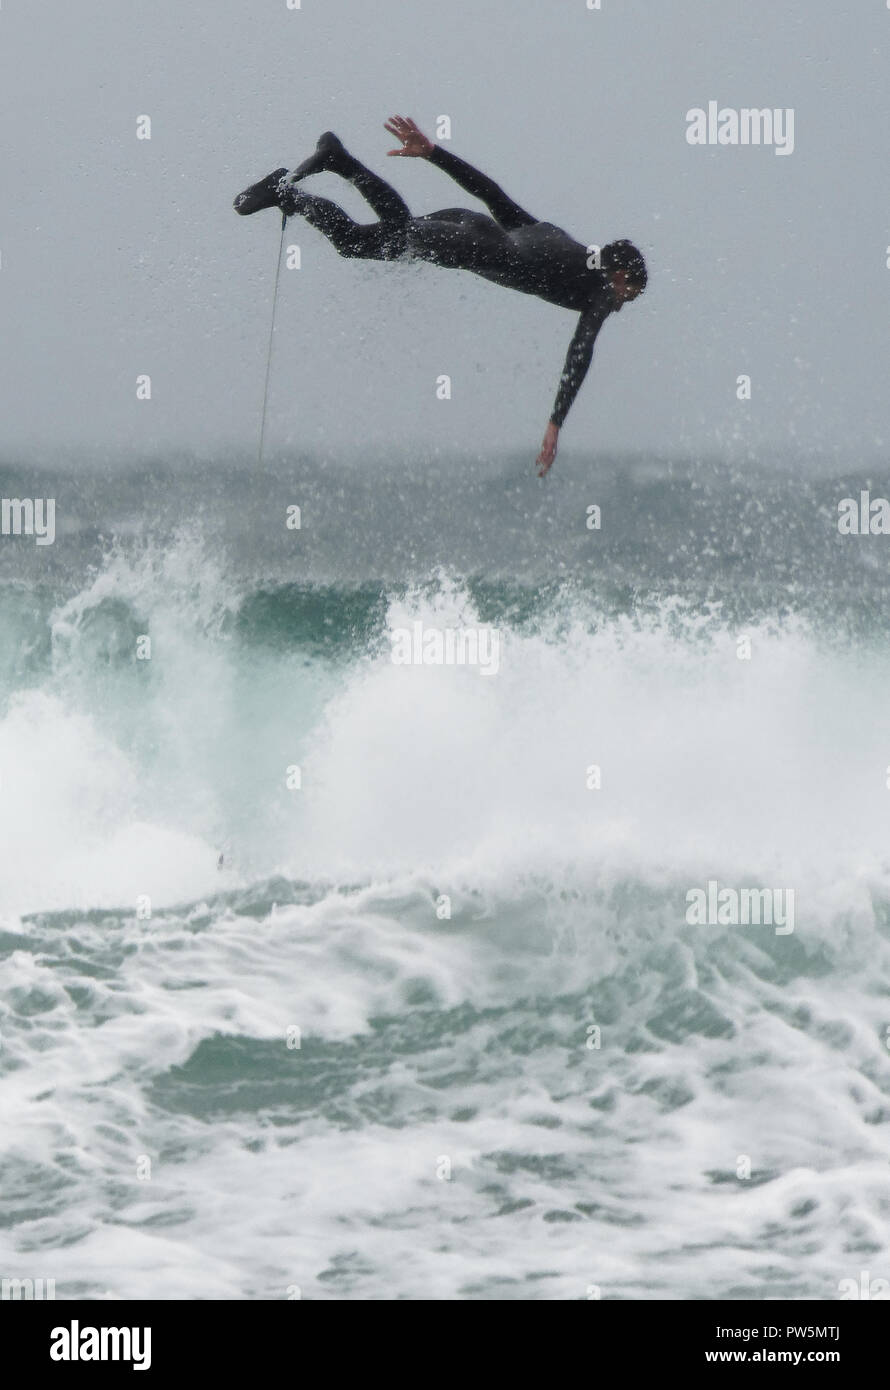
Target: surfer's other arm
416	145
578	359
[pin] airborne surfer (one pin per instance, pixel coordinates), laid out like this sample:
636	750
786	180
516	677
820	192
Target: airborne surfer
511	247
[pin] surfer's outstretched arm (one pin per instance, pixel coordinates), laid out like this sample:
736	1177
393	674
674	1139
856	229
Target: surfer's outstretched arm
415	145
578	359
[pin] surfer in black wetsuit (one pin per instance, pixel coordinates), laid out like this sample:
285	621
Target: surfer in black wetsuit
510	247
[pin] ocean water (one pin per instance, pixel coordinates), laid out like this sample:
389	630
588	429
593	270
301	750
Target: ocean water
558	1089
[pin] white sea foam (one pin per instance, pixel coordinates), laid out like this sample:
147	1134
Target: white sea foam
426	1037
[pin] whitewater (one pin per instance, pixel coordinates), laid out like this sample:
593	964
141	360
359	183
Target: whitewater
433	1024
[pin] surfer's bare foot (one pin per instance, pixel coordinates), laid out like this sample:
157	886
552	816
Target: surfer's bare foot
414	143
548	450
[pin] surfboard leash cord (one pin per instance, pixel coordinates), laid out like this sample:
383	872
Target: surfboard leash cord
271	339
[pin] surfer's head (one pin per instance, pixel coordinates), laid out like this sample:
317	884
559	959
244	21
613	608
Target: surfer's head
626	269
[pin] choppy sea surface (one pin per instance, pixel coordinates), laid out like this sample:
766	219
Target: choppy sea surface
434	1024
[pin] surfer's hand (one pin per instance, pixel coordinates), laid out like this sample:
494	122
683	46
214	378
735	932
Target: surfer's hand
548	449
415	144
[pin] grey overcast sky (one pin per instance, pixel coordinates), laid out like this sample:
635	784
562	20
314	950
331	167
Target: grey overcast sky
123	256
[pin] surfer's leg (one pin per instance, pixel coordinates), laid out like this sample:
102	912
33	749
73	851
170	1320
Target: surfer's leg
331	156
379	241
